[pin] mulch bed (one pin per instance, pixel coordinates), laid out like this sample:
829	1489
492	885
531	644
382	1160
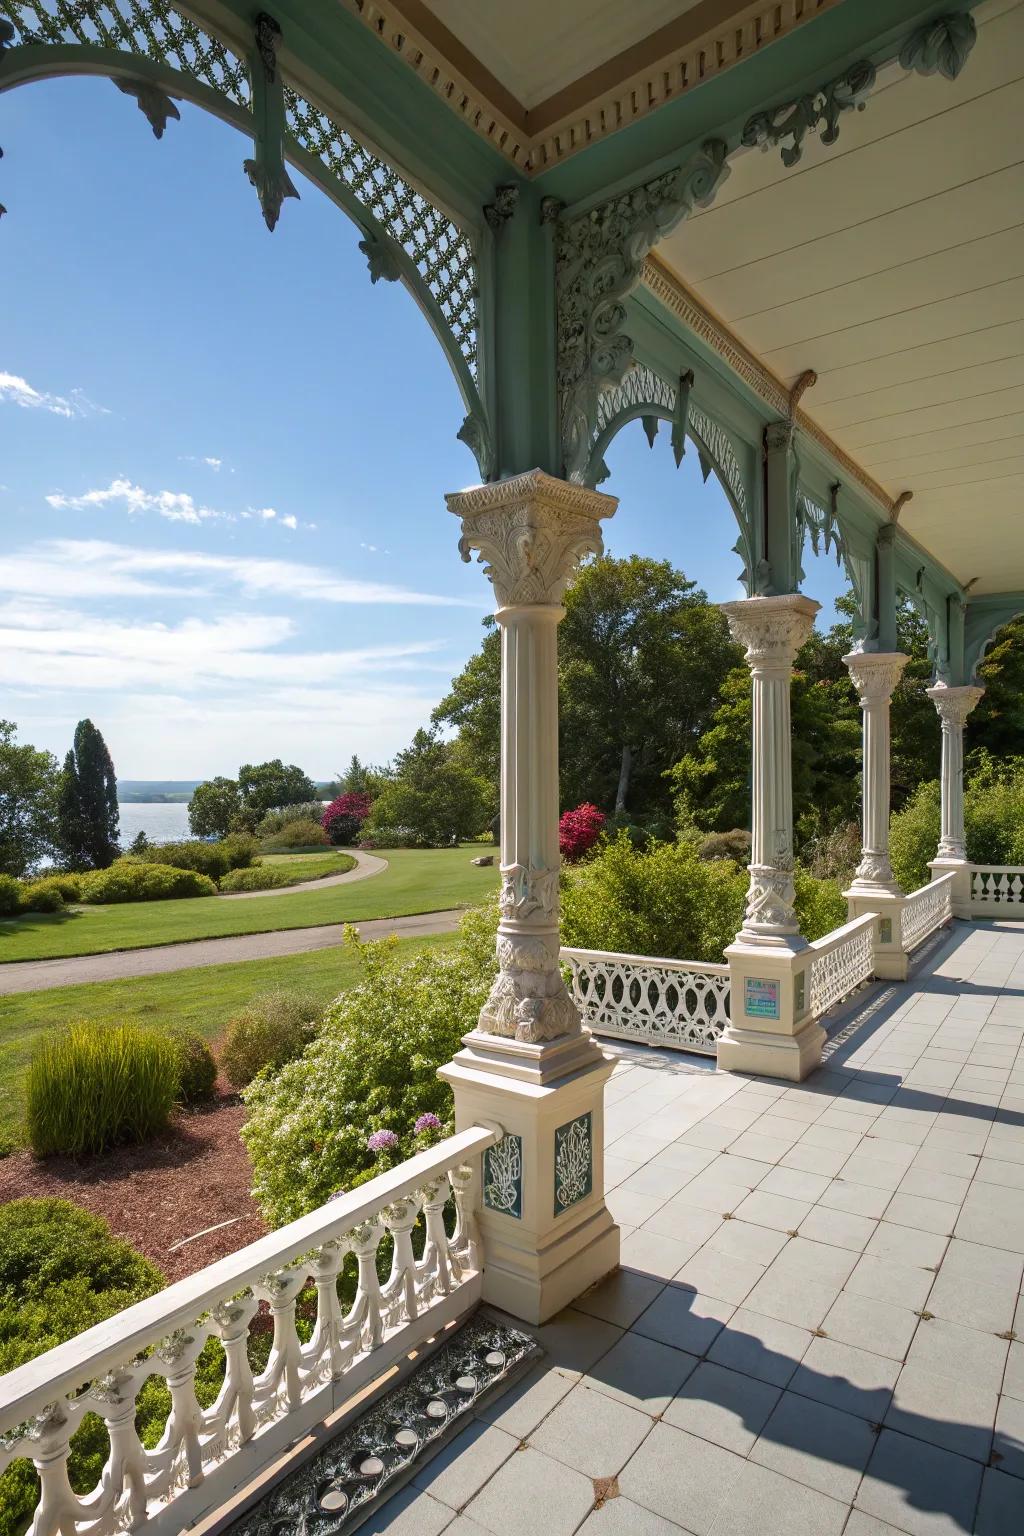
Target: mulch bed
156	1194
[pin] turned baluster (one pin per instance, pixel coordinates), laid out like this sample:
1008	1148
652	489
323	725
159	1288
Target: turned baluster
179	1354
464	1247
114	1397
281	1292
366	1309
434	1266
327	1336
401	1284
58	1505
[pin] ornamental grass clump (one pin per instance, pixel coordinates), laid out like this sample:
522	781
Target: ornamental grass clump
371	1068
94	1086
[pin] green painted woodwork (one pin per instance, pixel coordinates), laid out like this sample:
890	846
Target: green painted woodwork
983	618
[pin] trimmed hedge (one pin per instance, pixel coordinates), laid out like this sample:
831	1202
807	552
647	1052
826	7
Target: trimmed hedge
126	880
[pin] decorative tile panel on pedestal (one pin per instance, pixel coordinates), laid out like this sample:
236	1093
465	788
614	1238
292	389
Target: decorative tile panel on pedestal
574	1162
503	1177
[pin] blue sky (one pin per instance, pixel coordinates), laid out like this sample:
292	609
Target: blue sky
223	459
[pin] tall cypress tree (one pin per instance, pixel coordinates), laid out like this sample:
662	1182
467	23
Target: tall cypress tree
87	813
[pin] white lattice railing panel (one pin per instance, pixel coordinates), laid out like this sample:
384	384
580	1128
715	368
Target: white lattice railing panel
153	31
357	1326
842	962
925	910
997	890
680	1003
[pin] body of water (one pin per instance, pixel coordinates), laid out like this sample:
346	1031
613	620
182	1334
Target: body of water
162	822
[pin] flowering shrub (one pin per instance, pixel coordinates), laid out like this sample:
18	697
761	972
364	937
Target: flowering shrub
344	816
578	831
371	1068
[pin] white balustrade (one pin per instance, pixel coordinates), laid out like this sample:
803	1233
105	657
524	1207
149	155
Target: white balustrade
206	1454
926	910
679	1003
842	961
997	890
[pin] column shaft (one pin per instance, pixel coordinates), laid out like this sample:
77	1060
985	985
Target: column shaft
874	675
953	705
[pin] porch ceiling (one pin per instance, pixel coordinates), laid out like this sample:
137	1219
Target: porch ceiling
892	264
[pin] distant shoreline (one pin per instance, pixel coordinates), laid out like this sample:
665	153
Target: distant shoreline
151	797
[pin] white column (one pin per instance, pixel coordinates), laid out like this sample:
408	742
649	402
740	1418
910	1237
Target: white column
769	1030
772	630
530	1066
874	675
953	705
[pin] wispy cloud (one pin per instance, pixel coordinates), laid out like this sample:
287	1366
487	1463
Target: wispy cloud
175	506
15	390
205	458
94	568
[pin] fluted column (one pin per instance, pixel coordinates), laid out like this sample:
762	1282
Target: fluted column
874	675
772	630
953	705
529	1067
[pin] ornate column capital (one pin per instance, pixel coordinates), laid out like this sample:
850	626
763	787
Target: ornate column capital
771	629
875	674
531	532
954	704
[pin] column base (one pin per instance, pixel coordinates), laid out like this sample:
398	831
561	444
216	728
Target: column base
546	1232
762	1054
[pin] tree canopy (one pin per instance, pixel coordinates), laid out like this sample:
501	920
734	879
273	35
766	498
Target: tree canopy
28	799
87	816
432	794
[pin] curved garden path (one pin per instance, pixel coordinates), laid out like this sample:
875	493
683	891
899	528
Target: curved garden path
119	964
366	865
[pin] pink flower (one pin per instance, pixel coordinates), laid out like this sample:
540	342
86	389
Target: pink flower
427	1122
382	1141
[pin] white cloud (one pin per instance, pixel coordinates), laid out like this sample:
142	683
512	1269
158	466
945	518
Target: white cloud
213	463
92	568
176	506
15	390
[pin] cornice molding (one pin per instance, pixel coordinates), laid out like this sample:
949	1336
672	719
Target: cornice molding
565	126
677	298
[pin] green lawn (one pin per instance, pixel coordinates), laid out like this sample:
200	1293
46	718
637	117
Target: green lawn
204	999
311	866
416	880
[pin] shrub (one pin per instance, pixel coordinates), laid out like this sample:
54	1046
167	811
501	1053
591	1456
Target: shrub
127	881
820	905
372	1067
94	1086
344	816
261	877
61	1271
578	831
197	1069
393	837
276	820
42	898
240	849
298	834
192	853
68	886
834	855
270	1031
733	845
11	893
663	901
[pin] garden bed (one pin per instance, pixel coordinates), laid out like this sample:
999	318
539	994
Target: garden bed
155	1195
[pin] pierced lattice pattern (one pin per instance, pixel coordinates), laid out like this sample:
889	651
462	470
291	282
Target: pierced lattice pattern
720	447
673	1003
840	970
441	251
151	30
925	910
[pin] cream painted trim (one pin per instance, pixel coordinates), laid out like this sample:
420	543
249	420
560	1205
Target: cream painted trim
676	58
666	287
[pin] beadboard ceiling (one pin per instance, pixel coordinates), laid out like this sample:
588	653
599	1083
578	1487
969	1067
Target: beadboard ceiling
892	264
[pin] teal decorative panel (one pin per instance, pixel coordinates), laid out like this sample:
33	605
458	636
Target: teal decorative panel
574	1162
503	1177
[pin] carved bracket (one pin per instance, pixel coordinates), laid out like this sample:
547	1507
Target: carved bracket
380	259
154	104
267	170
817	112
940	46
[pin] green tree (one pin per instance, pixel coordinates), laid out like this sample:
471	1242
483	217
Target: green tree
361	779
214	808
433	794
473	705
263	787
87	813
997	722
28	798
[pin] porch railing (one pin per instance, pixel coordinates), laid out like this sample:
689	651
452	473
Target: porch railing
842	961
207	1454
925	910
680	1003
997	890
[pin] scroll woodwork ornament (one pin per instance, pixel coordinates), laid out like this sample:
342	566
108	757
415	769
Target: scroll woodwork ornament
599	259
381	260
817	112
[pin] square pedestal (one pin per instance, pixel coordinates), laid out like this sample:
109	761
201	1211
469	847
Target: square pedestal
770	1032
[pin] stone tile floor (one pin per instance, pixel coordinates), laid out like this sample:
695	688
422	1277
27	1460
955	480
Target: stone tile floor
813	1329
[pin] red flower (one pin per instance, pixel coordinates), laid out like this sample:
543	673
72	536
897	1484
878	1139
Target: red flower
578	831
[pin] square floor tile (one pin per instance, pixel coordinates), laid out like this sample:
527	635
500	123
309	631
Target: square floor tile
847	1378
762	1500
760	1346
959	1299
642	1372
592	1432
719	1274
926	1215
654	1254
946	1412
681	1478
776	1211
791	1298
533	1494
1001	1506
519	1410
816	1445
462	1467
842	1229
901	1284
1009	1440
745	1241
906	1245
988	1266
409	1513
821	1262
964	1354
684	1319
621	1298
574	1341
621	1517
723	1406
918	1487
869	1324
858	1199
